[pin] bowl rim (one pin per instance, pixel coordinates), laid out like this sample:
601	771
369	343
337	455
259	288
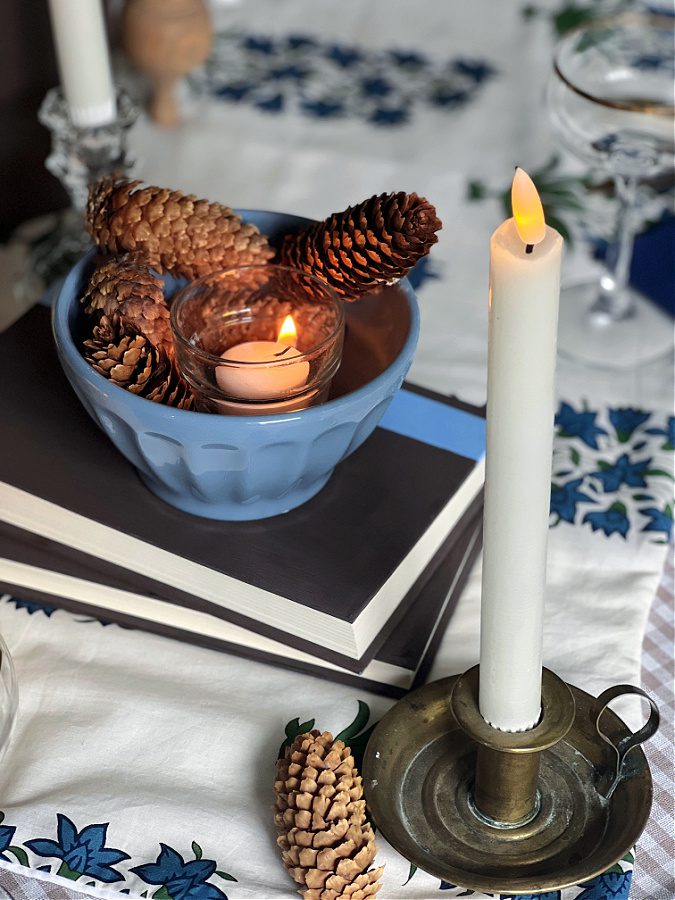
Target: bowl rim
66	347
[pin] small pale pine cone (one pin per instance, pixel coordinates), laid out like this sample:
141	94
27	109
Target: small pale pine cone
127	358
326	842
367	246
171	231
129	288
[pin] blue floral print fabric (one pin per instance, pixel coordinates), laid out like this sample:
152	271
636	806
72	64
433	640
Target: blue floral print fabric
325	80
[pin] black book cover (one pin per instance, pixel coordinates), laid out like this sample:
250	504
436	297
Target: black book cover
401	662
330	556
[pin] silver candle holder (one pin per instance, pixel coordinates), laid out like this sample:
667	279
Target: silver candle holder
79	156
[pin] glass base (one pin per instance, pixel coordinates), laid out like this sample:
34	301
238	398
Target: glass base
242	408
589	336
48	248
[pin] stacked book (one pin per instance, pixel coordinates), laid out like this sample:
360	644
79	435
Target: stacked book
357	585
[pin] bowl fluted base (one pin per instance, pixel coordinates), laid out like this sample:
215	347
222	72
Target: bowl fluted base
236	510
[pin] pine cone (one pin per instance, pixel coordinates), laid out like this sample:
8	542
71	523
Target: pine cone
130	360
366	246
128	287
326	842
171	231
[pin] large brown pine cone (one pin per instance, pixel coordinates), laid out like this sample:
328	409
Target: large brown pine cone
171	231
128	287
120	353
326	842
366	246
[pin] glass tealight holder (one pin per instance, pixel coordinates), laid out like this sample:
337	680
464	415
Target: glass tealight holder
258	340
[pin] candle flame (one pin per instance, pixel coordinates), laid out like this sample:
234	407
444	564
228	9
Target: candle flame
288	333
527	209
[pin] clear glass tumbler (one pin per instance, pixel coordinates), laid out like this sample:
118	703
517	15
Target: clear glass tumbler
258	339
9	697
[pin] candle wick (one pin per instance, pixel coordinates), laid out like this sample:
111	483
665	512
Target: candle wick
529	248
282	352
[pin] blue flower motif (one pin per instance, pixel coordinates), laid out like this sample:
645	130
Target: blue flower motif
626	420
610	886
6	835
659	520
272	104
343	56
376	87
300	42
578	424
292	71
235	92
395	116
652	61
448	97
668	432
83	853
259	45
182	880
31	606
622	472
609	520
421	272
323	109
476	70
408	60
564	499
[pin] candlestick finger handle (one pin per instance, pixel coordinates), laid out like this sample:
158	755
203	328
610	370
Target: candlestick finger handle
626	743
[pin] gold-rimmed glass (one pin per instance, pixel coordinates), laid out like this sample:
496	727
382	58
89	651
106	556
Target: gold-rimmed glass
610	97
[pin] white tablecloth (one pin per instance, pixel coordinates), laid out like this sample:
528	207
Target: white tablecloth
173	746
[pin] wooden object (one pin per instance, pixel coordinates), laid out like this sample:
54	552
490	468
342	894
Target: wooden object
166	39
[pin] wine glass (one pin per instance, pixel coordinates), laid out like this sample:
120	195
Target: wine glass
610	97
8	696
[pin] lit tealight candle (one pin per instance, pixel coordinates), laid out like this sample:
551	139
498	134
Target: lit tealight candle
266	370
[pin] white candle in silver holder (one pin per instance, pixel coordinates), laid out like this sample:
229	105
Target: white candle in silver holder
83	61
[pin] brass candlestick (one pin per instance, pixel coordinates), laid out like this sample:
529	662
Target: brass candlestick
506	790
515	813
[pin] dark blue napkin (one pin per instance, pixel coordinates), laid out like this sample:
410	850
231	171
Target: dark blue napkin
652	270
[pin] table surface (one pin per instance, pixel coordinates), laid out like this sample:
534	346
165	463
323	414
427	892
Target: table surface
323	107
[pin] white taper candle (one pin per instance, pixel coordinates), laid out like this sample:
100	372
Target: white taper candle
525	259
83	60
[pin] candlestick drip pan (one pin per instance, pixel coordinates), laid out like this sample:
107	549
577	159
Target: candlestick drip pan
594	796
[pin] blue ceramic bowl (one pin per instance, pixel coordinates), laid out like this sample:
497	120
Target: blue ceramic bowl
246	467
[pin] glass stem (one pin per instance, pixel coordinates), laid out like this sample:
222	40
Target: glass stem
614	301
